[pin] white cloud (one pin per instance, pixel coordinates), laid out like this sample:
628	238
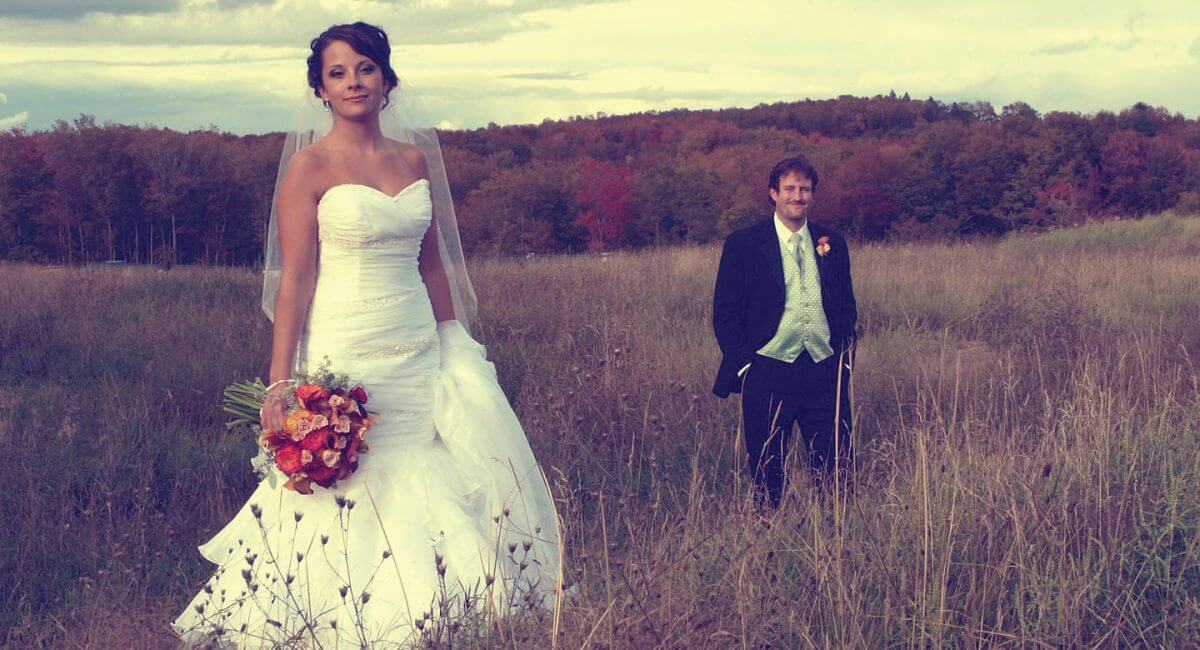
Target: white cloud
239	64
14	120
1071	47
3	98
287	22
69	9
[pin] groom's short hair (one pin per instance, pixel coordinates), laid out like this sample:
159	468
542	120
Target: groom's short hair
794	165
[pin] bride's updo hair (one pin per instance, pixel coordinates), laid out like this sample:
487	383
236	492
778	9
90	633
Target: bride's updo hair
368	40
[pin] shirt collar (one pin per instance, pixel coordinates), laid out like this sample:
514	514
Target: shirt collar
785	234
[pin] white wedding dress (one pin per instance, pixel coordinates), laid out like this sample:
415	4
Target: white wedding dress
448	506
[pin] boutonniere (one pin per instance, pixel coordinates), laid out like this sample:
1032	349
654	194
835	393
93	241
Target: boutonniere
823	247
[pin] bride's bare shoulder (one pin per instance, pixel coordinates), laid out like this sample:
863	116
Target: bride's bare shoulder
411	157
307	169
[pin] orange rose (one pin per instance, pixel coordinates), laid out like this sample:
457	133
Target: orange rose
287	459
316	440
309	393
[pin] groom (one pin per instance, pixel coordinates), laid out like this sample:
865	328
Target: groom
784	315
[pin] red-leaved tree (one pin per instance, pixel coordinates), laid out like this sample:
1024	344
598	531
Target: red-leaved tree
603	197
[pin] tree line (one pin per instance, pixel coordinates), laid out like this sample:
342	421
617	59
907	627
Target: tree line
891	167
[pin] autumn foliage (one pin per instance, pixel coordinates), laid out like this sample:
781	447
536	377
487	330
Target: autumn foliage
603	199
892	167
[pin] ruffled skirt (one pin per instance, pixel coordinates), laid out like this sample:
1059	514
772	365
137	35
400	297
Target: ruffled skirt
447	520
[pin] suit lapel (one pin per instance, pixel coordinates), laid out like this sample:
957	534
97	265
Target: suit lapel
815	233
772	256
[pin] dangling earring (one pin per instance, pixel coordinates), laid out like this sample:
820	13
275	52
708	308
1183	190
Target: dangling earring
387	96
328	105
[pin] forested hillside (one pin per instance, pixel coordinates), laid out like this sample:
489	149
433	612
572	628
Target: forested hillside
892	167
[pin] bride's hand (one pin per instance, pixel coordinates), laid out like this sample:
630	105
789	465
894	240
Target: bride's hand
274	410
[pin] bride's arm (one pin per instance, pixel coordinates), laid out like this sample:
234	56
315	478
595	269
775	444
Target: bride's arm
297	222
433	272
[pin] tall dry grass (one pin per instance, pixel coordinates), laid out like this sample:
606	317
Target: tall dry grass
1027	413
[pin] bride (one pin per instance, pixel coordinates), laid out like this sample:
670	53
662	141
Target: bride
448	520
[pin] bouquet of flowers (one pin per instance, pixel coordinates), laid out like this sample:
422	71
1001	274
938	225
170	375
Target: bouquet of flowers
323	433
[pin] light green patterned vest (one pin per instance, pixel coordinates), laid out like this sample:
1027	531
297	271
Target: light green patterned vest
803	325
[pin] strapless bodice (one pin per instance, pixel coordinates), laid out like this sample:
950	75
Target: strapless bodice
369	242
369	303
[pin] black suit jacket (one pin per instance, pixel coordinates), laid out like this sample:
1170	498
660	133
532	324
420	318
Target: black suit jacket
749	296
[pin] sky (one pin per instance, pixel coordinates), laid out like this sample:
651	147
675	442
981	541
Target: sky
239	65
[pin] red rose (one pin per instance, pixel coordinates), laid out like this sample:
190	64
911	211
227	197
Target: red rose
317	440
359	395
310	392
323	476
287	459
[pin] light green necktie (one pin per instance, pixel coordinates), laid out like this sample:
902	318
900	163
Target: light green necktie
795	240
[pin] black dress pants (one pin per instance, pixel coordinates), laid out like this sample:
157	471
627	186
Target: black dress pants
776	396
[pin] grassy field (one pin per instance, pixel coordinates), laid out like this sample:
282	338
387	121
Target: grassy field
1027	415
